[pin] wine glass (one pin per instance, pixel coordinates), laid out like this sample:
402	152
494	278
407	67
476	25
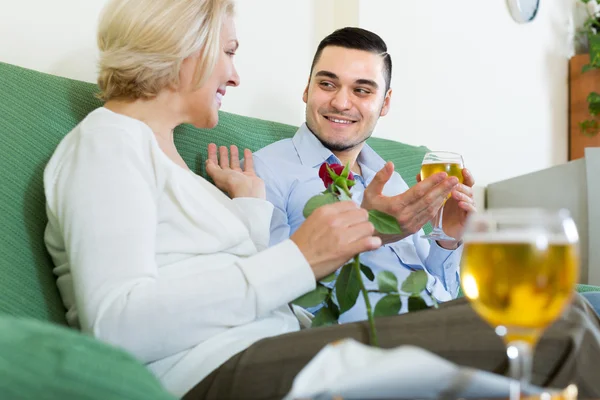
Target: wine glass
519	270
441	161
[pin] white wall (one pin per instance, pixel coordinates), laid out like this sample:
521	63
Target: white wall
466	77
57	37
273	59
278	39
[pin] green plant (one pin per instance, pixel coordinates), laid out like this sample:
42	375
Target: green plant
591	30
349	283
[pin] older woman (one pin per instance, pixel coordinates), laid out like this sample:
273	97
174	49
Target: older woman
154	259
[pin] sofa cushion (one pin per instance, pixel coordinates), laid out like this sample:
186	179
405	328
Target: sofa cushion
36	111
254	134
40	360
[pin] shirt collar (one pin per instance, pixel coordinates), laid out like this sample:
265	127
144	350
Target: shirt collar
312	153
310	150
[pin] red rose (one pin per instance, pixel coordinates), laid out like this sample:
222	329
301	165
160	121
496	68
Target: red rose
337	168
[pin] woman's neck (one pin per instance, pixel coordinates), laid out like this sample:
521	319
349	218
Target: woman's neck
160	113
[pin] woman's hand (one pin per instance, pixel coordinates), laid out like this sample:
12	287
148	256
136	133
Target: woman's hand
333	234
229	176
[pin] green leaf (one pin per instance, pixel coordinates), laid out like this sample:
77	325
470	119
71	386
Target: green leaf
335	310
346	171
328	278
314	298
586	68
594	108
416	304
388	305
415	283
324	317
593	97
594	103
384	223
347	288
594	49
387	282
589	127
368	272
317	201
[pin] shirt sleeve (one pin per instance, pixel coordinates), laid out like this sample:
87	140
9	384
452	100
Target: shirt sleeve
103	197
443	264
280	227
256	214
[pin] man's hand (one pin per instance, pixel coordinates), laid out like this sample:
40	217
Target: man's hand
413	208
457	209
229	176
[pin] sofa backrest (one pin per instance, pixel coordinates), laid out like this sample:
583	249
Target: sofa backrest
36	111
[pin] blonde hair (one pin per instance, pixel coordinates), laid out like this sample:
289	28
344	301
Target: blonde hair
144	42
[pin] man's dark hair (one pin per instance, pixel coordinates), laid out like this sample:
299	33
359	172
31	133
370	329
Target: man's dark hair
358	39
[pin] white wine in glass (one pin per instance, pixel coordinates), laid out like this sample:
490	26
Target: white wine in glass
519	270
441	161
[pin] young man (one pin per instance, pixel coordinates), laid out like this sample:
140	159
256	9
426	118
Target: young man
347	91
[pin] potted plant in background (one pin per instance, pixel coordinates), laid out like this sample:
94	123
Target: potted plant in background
591	32
584	82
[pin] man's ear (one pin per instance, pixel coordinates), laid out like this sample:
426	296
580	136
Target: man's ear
305	94
385	108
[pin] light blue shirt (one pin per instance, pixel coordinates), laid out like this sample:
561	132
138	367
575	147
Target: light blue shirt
290	167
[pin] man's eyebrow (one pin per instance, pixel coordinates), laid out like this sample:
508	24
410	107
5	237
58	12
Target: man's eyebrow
327	74
331	75
367	82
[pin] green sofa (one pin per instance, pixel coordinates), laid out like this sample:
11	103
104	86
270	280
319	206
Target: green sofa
36	111
39	356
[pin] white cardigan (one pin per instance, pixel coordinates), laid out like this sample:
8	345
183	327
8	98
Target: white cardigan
154	259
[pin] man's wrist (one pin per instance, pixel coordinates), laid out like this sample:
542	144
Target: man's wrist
449	244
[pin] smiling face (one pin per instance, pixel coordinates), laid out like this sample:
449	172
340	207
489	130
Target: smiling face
345	97
202	105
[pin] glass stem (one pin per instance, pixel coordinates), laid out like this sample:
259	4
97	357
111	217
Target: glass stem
438	219
520	358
